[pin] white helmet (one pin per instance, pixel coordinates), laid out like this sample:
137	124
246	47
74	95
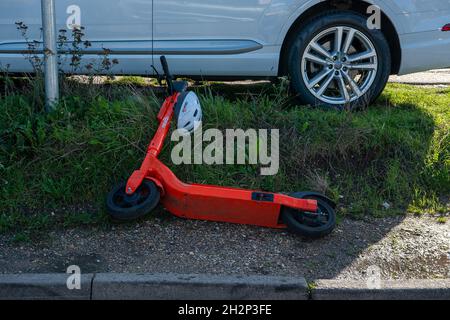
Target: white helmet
188	111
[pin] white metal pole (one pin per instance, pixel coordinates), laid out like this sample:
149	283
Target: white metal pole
50	54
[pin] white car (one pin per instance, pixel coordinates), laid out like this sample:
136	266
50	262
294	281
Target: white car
336	53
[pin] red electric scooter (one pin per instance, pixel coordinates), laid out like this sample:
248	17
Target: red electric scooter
308	214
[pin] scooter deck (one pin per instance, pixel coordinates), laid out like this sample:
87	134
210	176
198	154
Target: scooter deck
214	203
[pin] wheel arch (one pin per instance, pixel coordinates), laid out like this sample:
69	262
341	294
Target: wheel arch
388	28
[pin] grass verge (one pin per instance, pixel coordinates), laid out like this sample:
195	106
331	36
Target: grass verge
56	168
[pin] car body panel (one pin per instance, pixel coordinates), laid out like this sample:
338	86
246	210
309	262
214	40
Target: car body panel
418	23
206	19
214	21
408	6
125	26
425	51
129	20
211	38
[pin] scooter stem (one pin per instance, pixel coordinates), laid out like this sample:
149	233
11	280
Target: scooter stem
154	148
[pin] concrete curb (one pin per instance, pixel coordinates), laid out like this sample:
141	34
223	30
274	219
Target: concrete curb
42	287
389	290
110	286
197	287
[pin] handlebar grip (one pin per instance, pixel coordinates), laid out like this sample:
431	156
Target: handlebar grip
165	66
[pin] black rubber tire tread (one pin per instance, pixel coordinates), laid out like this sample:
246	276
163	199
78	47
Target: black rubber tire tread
294	226
127	214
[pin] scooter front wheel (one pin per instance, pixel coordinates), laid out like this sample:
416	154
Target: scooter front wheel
124	207
310	224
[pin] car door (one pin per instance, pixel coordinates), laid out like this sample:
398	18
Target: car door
204	37
11	40
122	26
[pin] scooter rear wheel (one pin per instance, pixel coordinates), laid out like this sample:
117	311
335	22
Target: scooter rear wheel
124	207
310	224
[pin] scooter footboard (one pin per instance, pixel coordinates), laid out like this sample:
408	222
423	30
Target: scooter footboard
223	205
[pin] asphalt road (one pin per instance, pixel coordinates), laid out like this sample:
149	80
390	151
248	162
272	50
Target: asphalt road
433	77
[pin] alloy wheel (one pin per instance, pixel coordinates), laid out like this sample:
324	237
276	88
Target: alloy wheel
339	65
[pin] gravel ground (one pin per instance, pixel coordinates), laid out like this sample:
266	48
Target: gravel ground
433	77
402	247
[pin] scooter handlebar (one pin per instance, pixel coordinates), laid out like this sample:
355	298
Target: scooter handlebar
165	67
167	74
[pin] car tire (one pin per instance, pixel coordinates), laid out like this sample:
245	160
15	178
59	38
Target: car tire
350	63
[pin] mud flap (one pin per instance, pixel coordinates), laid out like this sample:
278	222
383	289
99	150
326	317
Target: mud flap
304	194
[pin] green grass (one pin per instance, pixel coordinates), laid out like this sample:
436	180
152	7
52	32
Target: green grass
55	169
130	81
442	220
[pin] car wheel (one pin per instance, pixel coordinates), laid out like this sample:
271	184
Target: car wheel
335	60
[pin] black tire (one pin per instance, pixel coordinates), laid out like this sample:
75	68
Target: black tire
304	224
306	33
123	207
